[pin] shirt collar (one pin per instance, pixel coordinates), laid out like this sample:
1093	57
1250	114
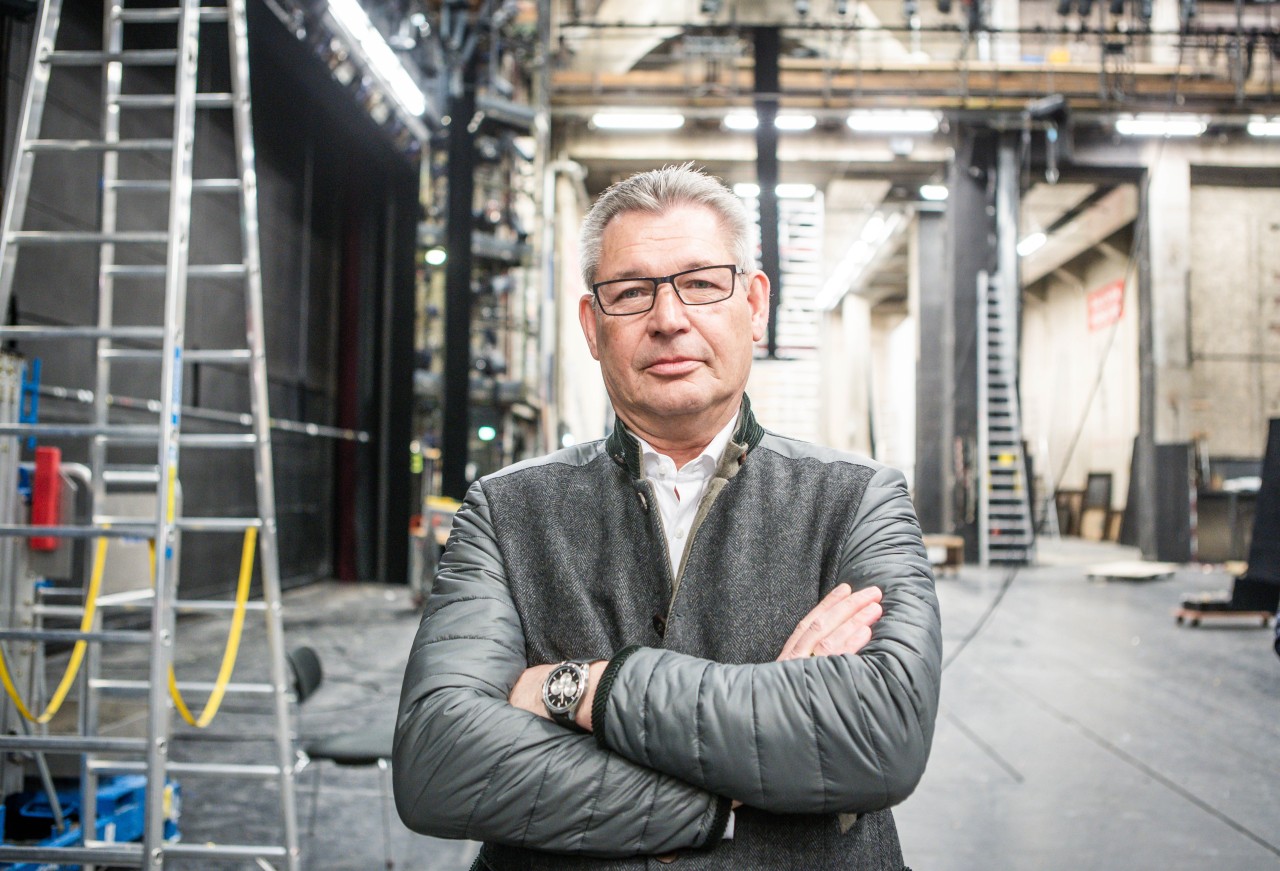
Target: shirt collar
705	463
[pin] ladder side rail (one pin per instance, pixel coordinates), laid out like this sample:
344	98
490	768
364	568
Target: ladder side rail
984	416
112	83
11	373
1009	352
160	711
263	466
34	94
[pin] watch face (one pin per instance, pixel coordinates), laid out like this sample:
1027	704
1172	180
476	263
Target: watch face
563	688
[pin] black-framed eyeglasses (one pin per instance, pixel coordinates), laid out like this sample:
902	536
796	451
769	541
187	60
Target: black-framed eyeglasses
635	296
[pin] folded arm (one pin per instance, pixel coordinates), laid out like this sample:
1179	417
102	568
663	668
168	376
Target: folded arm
816	734
467	764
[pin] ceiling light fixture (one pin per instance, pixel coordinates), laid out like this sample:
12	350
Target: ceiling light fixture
1031	244
355	25
892	121
637	121
1160	125
795	191
747	190
934	193
1259	126
795	122
748	121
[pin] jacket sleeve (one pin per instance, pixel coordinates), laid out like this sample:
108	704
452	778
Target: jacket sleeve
467	764
819	735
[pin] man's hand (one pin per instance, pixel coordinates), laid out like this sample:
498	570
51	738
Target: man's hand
840	623
527	693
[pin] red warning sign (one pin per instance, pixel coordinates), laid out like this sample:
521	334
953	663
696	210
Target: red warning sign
1105	305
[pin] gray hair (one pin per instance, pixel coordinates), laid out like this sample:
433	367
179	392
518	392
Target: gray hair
658	191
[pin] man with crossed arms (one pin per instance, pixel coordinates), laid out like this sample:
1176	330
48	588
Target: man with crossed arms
694	641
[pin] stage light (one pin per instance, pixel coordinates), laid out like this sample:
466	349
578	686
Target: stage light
383	63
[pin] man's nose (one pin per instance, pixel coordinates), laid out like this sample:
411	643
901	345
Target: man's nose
668	309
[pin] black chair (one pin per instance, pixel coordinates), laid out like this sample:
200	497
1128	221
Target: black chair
362	748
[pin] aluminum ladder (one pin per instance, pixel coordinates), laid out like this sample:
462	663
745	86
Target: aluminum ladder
135	81
1005	530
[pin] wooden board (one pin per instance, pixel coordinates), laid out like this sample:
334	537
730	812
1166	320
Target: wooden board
1193	616
1131	570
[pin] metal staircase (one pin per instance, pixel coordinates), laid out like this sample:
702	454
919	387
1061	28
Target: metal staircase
1005	529
159	84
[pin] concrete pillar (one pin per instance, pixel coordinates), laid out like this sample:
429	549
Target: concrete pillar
1156	494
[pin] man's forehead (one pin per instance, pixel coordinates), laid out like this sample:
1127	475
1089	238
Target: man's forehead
684	236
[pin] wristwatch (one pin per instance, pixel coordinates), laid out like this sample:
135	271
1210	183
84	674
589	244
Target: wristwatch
563	690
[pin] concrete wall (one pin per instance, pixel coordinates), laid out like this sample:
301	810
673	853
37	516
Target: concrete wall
1062	361
1235	317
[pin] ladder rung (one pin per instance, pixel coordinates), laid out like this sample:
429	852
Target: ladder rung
81	430
223	851
217	524
122	636
99	145
169	16
137	57
132	530
54	237
142	687
214	605
237	355
208	769
25	333
72	744
110	853
143	185
131	475
207	100
159	270
217	440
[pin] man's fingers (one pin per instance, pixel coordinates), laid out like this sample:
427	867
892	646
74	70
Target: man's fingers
839	607
848	639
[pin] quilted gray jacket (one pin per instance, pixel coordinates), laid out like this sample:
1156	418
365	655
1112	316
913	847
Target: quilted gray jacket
564	558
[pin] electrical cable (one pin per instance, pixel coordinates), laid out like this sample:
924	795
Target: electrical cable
232	649
77	652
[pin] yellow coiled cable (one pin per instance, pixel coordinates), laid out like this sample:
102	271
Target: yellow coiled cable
229	654
77	652
231	651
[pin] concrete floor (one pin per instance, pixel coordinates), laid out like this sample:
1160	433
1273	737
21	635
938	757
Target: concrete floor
1080	729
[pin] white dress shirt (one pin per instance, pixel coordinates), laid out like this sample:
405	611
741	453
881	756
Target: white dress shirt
680	490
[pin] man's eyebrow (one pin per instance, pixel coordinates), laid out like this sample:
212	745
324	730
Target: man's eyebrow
641	273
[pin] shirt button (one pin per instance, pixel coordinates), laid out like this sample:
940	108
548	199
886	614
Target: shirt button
679	533
667	858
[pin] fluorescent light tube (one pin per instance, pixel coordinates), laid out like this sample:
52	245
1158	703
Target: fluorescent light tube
892	121
795	122
1160	125
637	120
1259	126
746	189
1031	243
934	193
351	18
795	191
741	121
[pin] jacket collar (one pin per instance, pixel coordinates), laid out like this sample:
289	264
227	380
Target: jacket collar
624	448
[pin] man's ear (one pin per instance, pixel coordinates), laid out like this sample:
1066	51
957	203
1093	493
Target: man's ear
587	317
758	300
